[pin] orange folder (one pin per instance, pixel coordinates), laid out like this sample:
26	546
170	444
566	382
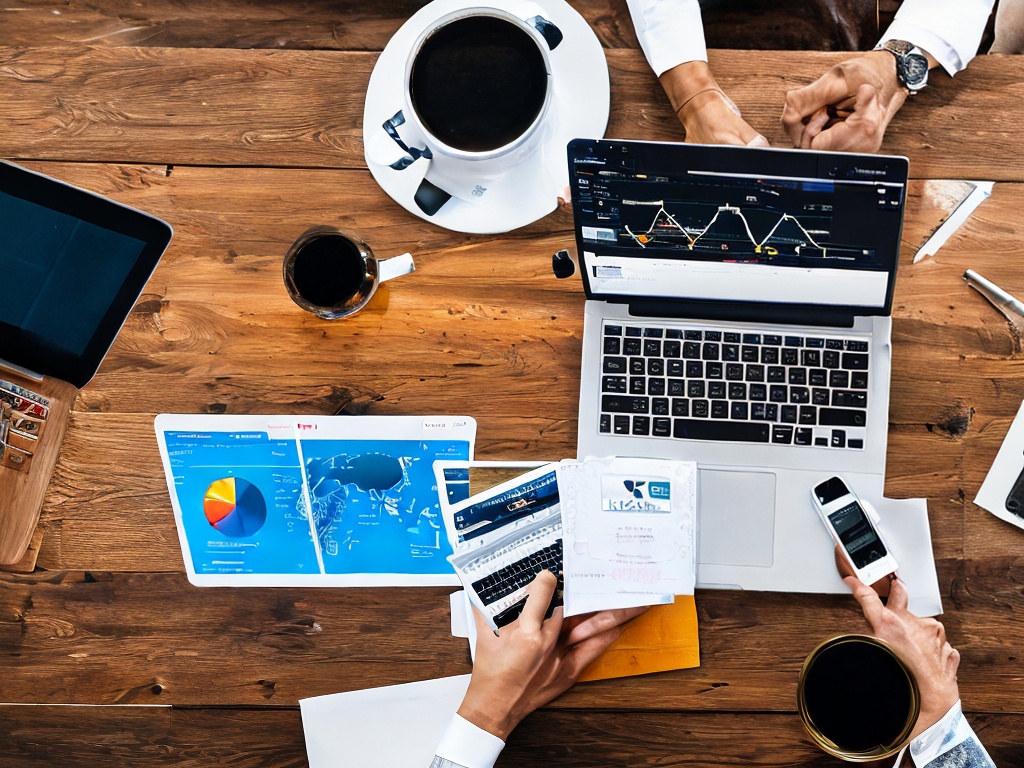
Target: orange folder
663	638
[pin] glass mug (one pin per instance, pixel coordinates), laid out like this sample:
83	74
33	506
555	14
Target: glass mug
334	274
857	698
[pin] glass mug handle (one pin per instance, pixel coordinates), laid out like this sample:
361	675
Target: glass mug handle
396	266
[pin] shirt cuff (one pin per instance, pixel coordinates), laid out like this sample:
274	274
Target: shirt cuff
951	34
468	745
669	33
946	734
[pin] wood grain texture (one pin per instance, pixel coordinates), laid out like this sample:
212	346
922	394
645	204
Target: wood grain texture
286	108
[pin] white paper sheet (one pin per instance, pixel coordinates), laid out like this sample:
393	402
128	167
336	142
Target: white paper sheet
1004	472
397	726
629	532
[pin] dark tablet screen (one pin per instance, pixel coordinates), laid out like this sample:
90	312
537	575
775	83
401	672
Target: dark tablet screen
74	265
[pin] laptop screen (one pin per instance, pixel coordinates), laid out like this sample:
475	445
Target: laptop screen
715	223
76	263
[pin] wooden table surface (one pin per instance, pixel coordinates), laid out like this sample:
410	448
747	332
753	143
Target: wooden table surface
240	124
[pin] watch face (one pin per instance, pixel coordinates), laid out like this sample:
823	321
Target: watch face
915	70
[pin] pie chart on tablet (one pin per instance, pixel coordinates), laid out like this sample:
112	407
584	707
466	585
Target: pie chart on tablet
235	507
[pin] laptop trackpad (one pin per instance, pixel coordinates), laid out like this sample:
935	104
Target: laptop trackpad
737	517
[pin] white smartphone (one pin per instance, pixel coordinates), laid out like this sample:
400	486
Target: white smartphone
853	529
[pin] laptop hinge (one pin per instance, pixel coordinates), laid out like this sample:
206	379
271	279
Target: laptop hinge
801	314
17	369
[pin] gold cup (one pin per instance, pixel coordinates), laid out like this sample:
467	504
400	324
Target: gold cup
834	650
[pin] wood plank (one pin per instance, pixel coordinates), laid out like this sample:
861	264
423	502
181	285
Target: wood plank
42	736
280	108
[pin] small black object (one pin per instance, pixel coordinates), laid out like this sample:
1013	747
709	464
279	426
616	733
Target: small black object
1015	500
430	197
563	265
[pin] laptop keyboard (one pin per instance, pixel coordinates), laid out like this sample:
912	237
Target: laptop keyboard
515	577
701	384
22	418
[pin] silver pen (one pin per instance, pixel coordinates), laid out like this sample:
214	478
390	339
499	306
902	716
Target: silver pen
1000	298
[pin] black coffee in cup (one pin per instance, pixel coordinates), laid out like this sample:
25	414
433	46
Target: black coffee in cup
327	270
857	698
478	83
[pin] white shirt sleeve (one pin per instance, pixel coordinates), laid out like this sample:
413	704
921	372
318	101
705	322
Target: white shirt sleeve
950	30
465	745
670	32
950	743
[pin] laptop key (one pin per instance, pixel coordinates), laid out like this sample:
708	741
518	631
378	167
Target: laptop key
712	335
841	417
695	388
758	392
613	330
712	370
701	408
662	428
641	425
657	387
838	439
659	406
711	351
634	331
839	379
615	365
820	396
855	442
751	338
694	369
719	409
750	354
656	333
734	371
676	368
676	387
632	346
789	414
797	375
716	390
737	391
655	366
773	340
808	414
755	372
691	350
745	432
776	374
621	425
612	345
739	412
810	358
624	404
850	399
854	361
834	344
853	345
790	357
604	426
859	380
613	383
638	385
777	393
652	347
782	433
799	395
730	352
637	366
817	377
672	349
803	436
681	406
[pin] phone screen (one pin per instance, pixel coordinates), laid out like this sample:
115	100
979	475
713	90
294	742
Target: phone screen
858	537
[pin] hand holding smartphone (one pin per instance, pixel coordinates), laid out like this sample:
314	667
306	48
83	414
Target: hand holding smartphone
851	527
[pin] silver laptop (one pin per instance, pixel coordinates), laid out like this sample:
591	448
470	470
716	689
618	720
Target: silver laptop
75	263
738	315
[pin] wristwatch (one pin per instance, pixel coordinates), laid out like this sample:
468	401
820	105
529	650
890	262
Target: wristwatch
911	64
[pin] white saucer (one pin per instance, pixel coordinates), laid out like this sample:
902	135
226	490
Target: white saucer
525	191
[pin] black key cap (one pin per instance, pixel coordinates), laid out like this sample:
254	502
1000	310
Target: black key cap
637	366
855	442
776	373
757	412
672	349
799	395
797	375
711	351
810	358
769	355
632	347
751	338
772	339
731	338
675	368
854	361
641	425
659	406
748	432
712	370
737	391
790	357
694	335
750	354
803	436
652	347
612	345
782	433
822	441
856	346
624	404
691	350
719	409
758	392
655	366
817	377
814	342
654	333
716	390
613	383
838	439
662	428
849	399
738	412
695	388
637	386
841	417
680	406
755	372
613	330
808	414
830	358
730	352
834	344
712	335
633	331
694	369
734	371
819	396
859	380
789	413
676	386
778	393
794	341
701	408
605	424
615	365
621	425
839	379
771	412
657	387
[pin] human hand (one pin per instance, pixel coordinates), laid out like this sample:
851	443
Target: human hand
707	114
848	108
534	659
921	643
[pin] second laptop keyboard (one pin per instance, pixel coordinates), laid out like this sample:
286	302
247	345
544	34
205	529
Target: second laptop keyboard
703	384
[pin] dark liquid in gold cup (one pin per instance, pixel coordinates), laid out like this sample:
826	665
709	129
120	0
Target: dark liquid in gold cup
858	696
478	83
328	270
